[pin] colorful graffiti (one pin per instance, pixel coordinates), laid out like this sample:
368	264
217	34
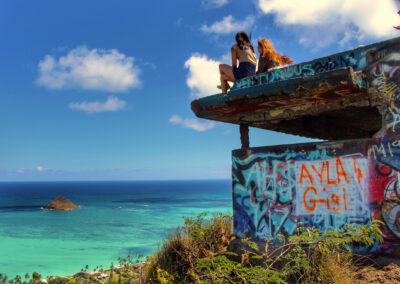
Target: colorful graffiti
299	70
273	192
328	184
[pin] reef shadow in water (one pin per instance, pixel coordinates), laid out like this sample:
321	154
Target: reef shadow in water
20	208
156	200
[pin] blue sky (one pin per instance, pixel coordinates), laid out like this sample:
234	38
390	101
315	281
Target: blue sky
101	90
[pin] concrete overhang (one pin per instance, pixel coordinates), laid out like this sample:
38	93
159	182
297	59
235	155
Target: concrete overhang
328	98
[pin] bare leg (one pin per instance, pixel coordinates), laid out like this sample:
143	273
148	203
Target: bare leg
226	75
224	83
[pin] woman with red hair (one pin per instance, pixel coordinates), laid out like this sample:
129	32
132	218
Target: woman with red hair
269	58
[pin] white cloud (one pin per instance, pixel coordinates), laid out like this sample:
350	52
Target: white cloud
229	25
178	22
112	104
191	123
214	3
40	168
151	65
203	76
322	22
96	69
29	170
175	119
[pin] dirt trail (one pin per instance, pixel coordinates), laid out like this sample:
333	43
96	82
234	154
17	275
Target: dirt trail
389	272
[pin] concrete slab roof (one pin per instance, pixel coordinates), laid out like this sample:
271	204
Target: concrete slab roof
327	98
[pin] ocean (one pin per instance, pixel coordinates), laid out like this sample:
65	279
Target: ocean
116	219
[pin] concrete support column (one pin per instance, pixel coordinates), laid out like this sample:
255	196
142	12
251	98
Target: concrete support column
244	136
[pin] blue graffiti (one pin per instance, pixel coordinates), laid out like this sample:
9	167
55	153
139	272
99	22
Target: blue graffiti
300	70
264	191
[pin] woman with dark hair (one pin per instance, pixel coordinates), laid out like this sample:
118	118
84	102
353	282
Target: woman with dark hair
269	58
244	52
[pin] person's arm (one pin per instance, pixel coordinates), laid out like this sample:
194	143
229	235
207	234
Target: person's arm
234	57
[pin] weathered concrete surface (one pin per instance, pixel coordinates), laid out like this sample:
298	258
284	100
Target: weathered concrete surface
334	97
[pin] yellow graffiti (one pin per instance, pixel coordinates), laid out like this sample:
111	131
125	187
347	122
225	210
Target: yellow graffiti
390	90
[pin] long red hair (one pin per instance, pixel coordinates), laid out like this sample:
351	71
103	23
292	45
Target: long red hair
269	52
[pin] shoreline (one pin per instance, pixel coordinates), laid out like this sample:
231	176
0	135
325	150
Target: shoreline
118	273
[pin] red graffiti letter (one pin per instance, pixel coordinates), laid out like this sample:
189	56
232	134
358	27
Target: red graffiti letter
304	169
312	201
342	172
335	200
344	198
357	171
320	174
330	182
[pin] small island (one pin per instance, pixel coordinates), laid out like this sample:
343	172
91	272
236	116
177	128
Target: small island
61	203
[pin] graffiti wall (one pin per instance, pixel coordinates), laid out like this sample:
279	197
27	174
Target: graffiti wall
328	184
325	186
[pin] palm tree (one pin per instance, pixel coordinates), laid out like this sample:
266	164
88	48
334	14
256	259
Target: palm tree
17	279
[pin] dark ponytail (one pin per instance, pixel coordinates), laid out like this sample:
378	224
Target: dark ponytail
245	40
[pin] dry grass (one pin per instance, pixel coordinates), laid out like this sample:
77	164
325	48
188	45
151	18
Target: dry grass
199	237
333	268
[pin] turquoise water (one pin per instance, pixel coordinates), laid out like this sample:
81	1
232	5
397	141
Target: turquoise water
117	219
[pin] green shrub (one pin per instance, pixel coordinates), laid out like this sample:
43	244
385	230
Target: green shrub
196	254
222	270
199	237
314	256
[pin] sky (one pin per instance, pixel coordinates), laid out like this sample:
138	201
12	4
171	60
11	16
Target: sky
101	90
